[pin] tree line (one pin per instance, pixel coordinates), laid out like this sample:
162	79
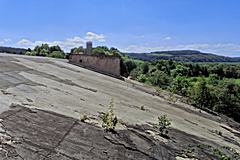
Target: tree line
46	51
209	86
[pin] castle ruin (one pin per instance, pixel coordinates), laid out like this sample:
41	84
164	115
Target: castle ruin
105	64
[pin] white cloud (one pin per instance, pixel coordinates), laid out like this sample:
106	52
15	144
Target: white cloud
167	38
228	49
7	40
90	36
67	44
25	42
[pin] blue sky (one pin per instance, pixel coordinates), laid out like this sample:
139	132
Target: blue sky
130	25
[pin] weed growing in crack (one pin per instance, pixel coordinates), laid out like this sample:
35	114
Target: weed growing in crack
84	117
109	120
163	125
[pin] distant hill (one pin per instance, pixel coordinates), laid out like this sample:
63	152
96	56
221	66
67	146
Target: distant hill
183	56
12	50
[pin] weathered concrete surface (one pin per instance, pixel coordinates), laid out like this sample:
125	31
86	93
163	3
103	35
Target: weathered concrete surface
47	135
44	135
54	85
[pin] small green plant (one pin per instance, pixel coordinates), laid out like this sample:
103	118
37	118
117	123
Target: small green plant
84	117
220	154
109	120
163	125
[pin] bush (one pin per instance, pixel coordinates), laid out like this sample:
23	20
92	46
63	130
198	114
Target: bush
130	65
142	78
202	96
180	85
145	67
57	54
163	125
31	53
109	120
160	79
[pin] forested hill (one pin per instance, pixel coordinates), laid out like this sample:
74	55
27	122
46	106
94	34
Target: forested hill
12	50
183	56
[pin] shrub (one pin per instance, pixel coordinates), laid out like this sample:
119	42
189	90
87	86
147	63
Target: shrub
160	79
202	96
180	85
57	54
109	120
145	68
32	53
142	78
163	125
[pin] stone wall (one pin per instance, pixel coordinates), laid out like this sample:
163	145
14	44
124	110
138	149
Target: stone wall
105	64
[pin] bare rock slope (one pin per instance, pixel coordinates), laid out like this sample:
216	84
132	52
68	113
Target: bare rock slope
42	99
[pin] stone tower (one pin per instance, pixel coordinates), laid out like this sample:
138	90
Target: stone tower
89	48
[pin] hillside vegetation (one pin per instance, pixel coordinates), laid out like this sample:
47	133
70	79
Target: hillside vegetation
209	86
183	56
12	50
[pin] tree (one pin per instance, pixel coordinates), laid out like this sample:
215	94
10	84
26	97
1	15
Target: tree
228	99
130	65
145	68
161	79
180	85
202	96
115	52
57	54
77	50
213	79
99	51
44	52
180	71
55	48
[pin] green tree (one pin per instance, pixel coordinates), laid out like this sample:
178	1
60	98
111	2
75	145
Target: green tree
130	65
213	79
44	52
57	54
180	85
202	96
228	99
142	78
55	48
77	50
161	79
145	67
100	51
180	71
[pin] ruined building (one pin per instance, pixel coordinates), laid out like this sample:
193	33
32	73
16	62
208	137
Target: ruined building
105	64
